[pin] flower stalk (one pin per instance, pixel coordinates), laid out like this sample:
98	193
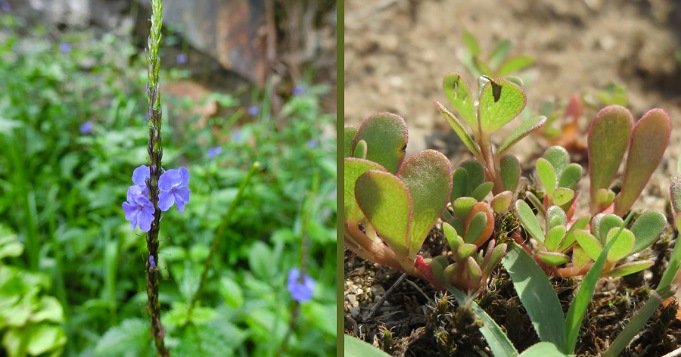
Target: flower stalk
155	152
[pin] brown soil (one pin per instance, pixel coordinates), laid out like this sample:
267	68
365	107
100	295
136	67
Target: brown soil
396	53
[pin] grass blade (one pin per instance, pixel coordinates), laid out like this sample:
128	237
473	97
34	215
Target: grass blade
537	295
634	326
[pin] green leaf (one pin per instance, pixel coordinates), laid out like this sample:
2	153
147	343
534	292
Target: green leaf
502	202
459	183
453	238
464	251
526	127
580	303
647	228
591	246
547	175
500	102
515	64
649	140
386	138
553	238
630	268
529	220
49	309
563	196
499	53
608	140
673	266
10	246
570	176
543	349
553	258
476	174
510	172
387	204
623	246
44	338
360	150
427	176
471	43
459	98
558	157
536	294
497	340
473	271
555	216
355	347
475	228
354	168
603	223
459	130
462	206
482	190
231	293
349	133
131	337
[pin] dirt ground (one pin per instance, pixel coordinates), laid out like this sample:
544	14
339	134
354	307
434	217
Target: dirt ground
397	51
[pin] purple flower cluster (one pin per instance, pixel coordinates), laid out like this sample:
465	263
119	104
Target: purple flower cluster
300	287
172	186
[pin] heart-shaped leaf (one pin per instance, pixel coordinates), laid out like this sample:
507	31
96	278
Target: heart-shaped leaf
427	174
459	97
349	133
459	130
649	140
647	228
607	142
354	168
386	137
529	220
526	127
623	246
500	102
387	204
510	172
631	268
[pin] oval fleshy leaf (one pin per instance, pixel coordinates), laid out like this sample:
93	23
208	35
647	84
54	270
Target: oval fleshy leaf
631	268
547	175
563	196
510	172
437	266
608	140
603	223
360	150
555	216
473	272
475	226
570	176
591	246
488	227
386	137
459	183
482	190
529	220
462	206
553	238
349	133
526	127
558	157
649	140
459	97
500	102
476	174
427	174
465	250
553	258
453	238
647	228
622	246
354	168
386	203
459	130
579	257
502	202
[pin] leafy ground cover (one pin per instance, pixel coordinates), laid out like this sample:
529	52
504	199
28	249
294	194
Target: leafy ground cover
73	128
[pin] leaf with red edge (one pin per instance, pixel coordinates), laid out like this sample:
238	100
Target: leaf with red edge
354	168
386	137
649	140
500	102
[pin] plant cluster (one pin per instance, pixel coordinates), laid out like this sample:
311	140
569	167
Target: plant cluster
392	202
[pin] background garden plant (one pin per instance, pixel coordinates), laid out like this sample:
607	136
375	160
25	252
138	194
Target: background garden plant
72	131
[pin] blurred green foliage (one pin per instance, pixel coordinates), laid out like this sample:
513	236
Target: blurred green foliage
75	263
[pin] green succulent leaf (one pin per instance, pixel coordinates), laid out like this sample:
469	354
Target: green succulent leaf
459	183
476	227
529	220
482	190
459	130
453	238
570	176
473	271
459	98
647	228
387	204
631	268
649	140
437	266
494	258
349	133
547	175
555	216
502	202
526	127
510	172
558	157
623	246
543	349
427	175
608	140
354	168
464	251
515	64
589	244
386	137
603	223
499	53
500	102
553	238
360	150
579	223
471	43
553	258
476	174
563	196
462	206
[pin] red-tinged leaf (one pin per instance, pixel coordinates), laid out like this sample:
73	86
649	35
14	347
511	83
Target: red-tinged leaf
649	140
486	232
386	137
427	174
386	203
608	141
354	168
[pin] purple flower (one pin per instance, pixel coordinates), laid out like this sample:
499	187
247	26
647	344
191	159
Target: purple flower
174	190
236	135
152	262
214	151
253	110
65	47
301	288
312	143
86	128
138	209
5	6
298	90
140	176
181	58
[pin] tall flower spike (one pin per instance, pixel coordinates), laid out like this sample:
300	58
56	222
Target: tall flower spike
174	190
138	209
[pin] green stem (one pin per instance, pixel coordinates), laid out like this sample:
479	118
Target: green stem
219	232
155	152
